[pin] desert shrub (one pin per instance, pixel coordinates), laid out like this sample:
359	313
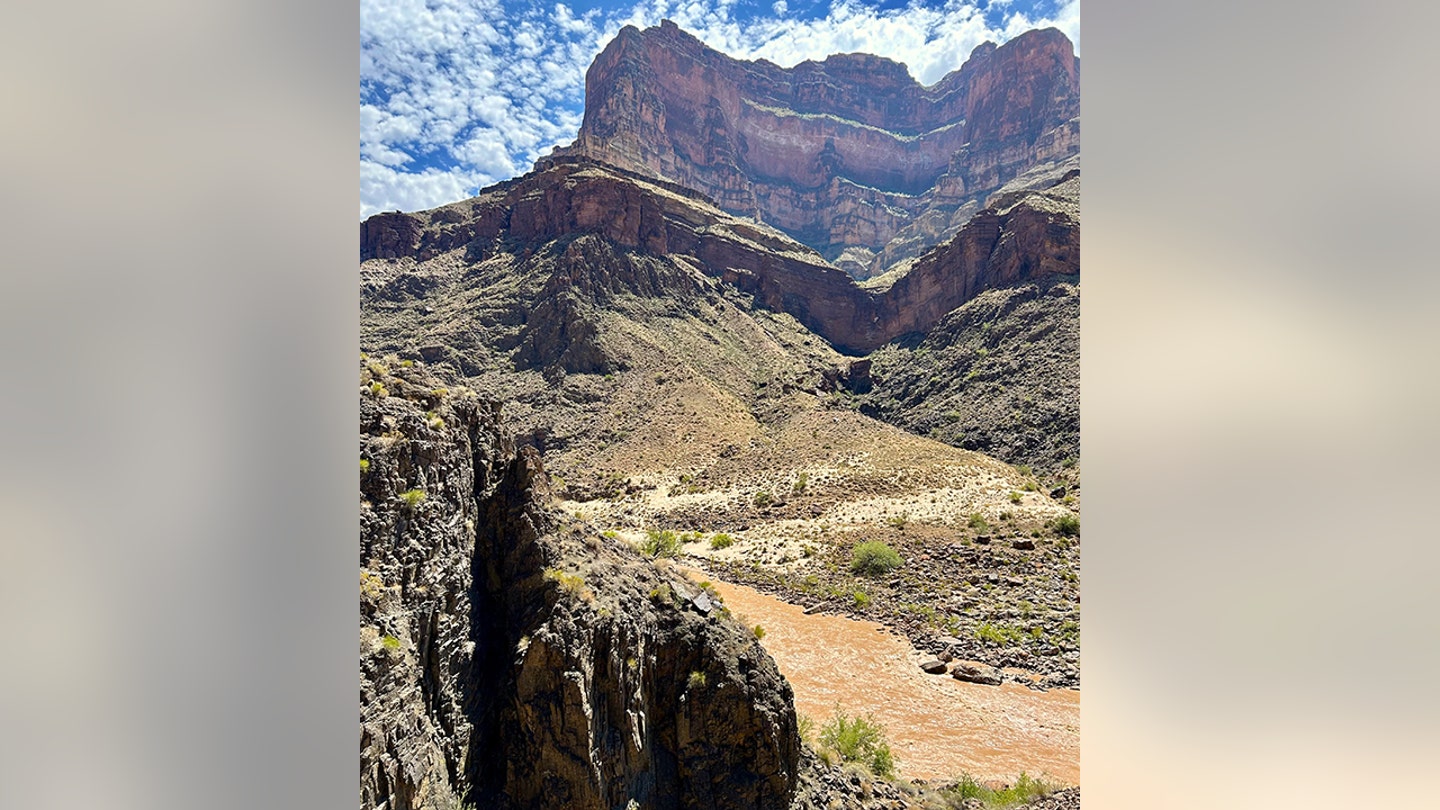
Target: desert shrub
412	497
801	482
379	390
762	498
696	680
759	631
861	740
661	543
999	634
571	583
721	540
1025	790
1066	526
1014	497
862	599
364	466
391	643
874	558
805	724
371	586
977	522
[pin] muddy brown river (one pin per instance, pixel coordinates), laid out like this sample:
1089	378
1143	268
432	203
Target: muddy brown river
937	726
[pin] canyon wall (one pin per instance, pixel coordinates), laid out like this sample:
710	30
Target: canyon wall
844	153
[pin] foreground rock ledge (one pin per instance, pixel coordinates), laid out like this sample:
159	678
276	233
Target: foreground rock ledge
510	661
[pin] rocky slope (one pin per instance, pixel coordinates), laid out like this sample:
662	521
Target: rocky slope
1034	236
511	661
846	154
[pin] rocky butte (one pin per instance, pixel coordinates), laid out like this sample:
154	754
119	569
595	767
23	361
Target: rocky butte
849	155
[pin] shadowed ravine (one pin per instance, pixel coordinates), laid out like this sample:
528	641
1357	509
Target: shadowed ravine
938	726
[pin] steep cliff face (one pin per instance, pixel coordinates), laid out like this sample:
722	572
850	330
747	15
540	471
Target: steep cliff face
1031	236
843	153
509	660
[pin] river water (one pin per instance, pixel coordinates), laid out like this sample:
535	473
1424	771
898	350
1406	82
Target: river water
937	726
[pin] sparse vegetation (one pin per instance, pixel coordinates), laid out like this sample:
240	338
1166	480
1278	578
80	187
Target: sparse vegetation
862	599
696	680
1025	790
661	543
378	390
364	466
371	586
999	634
759	631
413	498
391	643
806	726
763	499
858	739
874	558
1066	526
977	522
1014	497
721	540
571	583
801	481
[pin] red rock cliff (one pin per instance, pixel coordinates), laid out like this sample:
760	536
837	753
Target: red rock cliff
840	153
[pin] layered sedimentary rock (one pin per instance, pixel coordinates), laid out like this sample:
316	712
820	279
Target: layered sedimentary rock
1033	236
510	661
843	153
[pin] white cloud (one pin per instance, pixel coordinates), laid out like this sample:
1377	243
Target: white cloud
456	94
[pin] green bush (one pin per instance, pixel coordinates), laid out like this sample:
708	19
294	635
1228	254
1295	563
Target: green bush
763	499
364	466
1066	526
862	599
661	543
1024	791
977	522
759	631
696	680
1014	497
801	482
413	497
1000	634
721	540
873	559
861	740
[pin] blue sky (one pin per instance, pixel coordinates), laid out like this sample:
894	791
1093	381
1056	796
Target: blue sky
458	94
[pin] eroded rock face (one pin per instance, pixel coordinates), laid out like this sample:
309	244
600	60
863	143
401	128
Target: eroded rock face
1034	235
508	661
841	153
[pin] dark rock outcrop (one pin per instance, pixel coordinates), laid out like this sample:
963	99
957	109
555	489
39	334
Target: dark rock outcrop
511	661
842	154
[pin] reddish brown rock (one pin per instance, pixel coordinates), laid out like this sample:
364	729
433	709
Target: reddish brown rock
841	153
1035	236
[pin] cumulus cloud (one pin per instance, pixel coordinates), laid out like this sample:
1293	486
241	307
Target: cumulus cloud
457	94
